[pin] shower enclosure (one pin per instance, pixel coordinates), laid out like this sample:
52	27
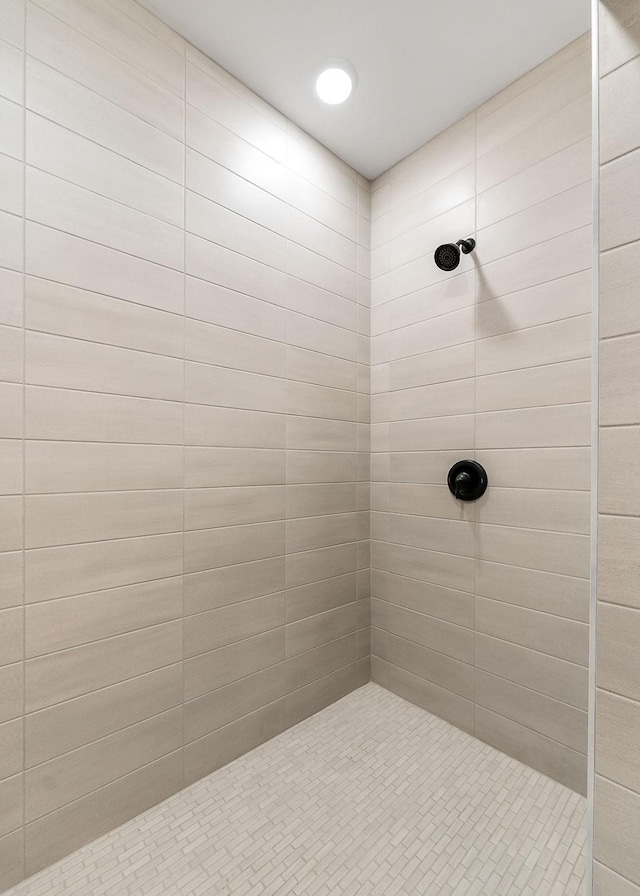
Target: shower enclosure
298	479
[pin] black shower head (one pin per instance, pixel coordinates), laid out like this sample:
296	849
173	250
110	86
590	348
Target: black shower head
447	256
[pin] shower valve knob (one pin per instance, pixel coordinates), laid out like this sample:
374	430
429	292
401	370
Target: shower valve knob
467	480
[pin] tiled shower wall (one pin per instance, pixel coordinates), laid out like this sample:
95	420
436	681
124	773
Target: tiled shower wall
480	611
617	753
184	307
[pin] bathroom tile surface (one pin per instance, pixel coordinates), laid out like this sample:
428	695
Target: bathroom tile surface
370	796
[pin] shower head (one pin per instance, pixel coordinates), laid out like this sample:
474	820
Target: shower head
447	256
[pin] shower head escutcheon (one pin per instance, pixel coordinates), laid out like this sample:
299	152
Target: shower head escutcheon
447	256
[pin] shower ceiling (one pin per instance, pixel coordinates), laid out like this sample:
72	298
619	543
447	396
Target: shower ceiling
421	64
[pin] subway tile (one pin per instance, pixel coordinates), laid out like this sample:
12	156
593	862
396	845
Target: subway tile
449	570
452	640
11	858
12	129
434	666
232	662
67	778
619	24
79	518
68	828
239	389
65	727
66	570
619	197
221	306
315	696
540	672
11	291
608	883
558	552
309	633
618	381
439	701
562	723
539	468
66	311
433	600
617	727
546	190
555	426
619	461
213	588
226	705
536	589
233	428
62	257
210	96
214	750
220	145
319	597
214	222
212	467
618	560
74	106
131	41
72	673
533	749
94	467
530	508
71	415
551	134
617	828
72	364
11	796
67	50
304	669
11	577
69	622
324	563
210	507
315	433
616	661
212	548
217	183
553	635
74	158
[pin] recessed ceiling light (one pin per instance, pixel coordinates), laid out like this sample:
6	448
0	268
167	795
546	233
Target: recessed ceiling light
336	82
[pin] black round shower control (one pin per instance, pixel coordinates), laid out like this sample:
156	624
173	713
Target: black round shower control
467	480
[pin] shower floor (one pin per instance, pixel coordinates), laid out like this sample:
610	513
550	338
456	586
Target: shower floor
370	796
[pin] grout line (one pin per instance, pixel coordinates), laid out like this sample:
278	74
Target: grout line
24	449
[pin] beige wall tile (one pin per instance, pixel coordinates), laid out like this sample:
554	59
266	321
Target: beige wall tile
72	104
205	755
64	727
540	672
618	723
57	625
54	835
617	827
608	883
562	723
553	635
70	777
534	749
439	701
618	560
72	673
619	391
617	666
619	195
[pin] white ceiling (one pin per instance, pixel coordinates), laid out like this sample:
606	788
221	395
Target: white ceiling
421	64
